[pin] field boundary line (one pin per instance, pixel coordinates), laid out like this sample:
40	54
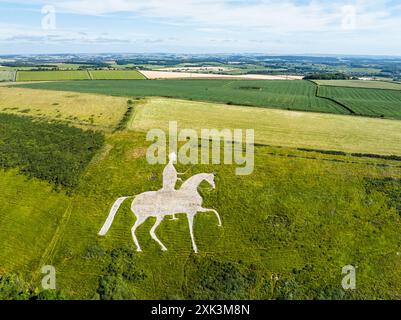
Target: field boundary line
90	74
292	156
145	77
317	94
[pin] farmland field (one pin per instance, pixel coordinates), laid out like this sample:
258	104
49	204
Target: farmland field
360	84
370	102
275	127
7	75
291	95
217	158
116	75
165	74
52	75
79	109
295	95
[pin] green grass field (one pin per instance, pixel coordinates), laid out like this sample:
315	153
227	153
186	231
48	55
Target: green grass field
30	213
52	75
78	75
291	95
116	75
288	228
370	102
275	127
300	218
360	84
295	95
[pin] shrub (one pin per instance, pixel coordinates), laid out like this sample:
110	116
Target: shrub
50	151
12	287
121	274
215	280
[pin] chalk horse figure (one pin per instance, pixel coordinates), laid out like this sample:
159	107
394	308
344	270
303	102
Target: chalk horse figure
163	203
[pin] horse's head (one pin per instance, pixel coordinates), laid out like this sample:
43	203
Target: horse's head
210	178
194	182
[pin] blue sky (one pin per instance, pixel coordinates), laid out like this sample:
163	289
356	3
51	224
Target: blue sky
201	26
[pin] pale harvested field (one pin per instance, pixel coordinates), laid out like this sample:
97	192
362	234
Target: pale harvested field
77	108
186	75
195	69
276	127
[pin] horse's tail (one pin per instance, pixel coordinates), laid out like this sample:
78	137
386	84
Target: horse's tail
111	216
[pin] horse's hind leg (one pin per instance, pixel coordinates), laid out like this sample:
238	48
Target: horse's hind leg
138	222
152	233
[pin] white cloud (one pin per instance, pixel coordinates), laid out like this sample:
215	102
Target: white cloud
19	33
270	15
259	25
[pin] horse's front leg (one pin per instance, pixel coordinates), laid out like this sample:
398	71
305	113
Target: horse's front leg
191	231
211	210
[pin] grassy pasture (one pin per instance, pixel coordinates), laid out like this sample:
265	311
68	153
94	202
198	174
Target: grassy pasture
294	95
52	75
360	84
370	102
30	213
275	127
299	218
116	75
75	108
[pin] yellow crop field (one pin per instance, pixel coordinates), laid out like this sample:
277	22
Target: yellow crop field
276	127
80	109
